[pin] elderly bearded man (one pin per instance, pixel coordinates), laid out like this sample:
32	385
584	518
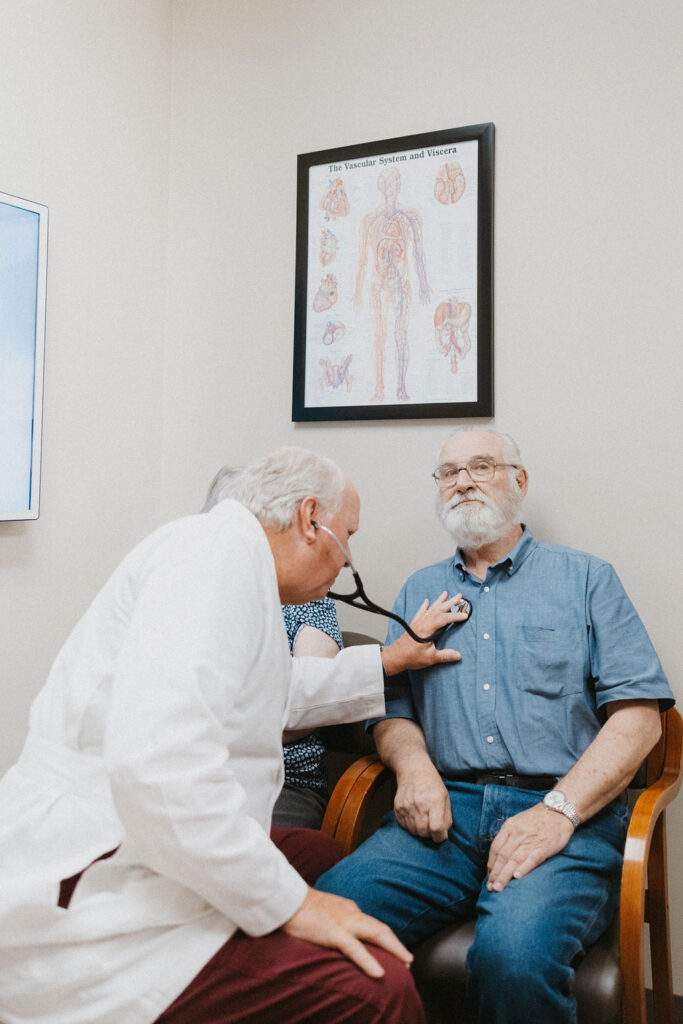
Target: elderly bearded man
511	762
139	882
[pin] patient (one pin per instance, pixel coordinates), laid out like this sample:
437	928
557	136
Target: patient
510	762
312	631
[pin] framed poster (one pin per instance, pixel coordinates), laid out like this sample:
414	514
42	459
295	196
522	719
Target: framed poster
23	276
393	302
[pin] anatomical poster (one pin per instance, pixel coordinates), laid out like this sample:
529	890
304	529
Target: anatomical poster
393	299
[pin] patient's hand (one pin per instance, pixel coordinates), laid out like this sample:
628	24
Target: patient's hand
407	653
525	841
422	805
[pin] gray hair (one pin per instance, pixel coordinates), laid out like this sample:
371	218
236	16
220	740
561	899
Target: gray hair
511	452
273	487
221	486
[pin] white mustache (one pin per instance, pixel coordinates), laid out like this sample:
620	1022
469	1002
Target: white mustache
458	499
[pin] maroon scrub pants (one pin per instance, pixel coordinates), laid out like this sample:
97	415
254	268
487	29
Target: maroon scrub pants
277	979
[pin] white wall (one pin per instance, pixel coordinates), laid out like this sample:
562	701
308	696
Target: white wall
588	237
588	243
84	126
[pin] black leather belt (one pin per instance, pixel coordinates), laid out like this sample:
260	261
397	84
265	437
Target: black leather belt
507	779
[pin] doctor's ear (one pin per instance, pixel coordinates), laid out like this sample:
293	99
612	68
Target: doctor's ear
306	516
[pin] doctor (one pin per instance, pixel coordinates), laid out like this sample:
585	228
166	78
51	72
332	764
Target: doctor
139	882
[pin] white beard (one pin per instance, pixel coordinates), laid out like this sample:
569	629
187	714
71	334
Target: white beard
472	525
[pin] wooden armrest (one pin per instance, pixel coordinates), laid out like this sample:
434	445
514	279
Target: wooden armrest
645	863
346	810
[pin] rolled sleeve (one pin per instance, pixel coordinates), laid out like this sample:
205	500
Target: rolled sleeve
624	664
398	698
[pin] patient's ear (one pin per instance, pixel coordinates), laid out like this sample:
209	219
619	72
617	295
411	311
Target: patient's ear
306	516
522	480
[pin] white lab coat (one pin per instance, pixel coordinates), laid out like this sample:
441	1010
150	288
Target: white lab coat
158	733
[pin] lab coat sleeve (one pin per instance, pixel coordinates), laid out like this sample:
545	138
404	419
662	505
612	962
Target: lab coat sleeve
329	691
182	675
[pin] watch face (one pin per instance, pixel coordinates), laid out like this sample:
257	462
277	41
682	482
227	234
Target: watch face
554	798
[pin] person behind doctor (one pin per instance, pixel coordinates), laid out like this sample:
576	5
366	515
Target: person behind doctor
139	882
312	631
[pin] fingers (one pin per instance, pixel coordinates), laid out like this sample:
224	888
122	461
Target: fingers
424	811
525	841
515	866
364	927
356	952
503	871
441	608
439	824
372	930
446	654
337	923
504	858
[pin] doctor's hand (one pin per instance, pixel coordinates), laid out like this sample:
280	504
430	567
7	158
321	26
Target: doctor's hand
525	841
337	923
407	653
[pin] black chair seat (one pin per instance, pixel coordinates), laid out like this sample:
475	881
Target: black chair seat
440	974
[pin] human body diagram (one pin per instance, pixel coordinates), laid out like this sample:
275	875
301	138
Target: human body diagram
387	236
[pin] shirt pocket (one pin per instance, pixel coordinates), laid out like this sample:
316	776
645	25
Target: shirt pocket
549	661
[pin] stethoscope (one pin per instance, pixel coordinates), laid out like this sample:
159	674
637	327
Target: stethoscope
359	599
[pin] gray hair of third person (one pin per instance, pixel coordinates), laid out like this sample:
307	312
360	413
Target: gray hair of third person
511	452
221	486
273	487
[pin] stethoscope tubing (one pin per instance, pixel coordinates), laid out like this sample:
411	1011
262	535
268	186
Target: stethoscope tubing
359	599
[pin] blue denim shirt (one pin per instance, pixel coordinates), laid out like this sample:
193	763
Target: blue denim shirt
553	637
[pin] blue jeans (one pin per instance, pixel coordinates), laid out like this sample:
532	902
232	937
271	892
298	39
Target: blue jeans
527	936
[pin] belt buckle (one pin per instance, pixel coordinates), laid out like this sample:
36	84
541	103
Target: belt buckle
509	778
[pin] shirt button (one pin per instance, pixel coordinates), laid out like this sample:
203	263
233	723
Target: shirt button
486	590
487	686
486	636
489	739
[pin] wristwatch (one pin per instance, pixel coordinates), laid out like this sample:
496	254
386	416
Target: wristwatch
555	800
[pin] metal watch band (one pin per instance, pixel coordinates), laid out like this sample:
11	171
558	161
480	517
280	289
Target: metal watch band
565	807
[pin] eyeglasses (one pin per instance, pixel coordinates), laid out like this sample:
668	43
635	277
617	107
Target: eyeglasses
479	469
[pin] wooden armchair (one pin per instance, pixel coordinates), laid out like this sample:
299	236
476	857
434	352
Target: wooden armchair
610	980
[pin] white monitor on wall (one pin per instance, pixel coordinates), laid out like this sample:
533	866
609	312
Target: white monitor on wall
23	275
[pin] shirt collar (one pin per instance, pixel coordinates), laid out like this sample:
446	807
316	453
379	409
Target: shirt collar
512	561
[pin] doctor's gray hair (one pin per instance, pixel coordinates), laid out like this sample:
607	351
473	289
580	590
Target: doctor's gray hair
273	487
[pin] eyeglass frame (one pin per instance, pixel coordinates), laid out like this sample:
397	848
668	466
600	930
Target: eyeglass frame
459	469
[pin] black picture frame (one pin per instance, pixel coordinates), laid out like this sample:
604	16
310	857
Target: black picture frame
395	293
